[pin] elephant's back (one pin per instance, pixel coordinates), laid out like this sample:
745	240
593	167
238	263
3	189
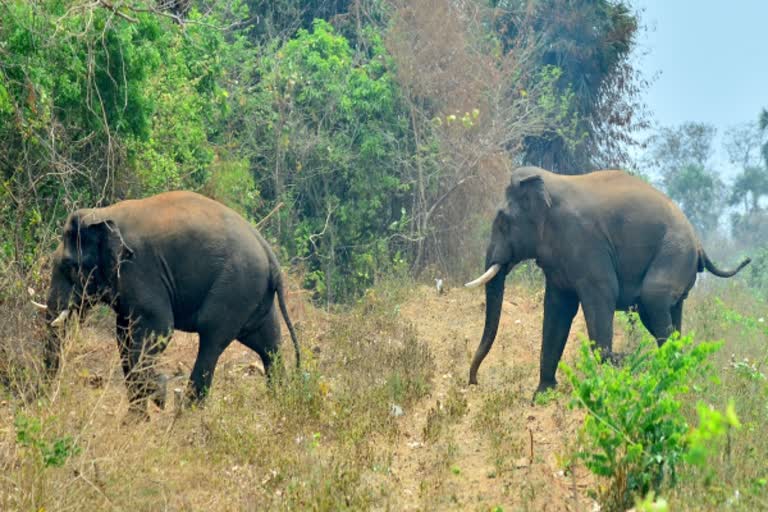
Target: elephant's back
639	219
619	194
179	213
185	225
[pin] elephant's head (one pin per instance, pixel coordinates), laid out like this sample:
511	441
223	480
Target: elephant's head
83	271
515	237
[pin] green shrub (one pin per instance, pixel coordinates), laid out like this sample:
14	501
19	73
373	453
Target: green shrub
48	453
333	133
635	433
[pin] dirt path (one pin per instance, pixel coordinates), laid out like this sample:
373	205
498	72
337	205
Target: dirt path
503	451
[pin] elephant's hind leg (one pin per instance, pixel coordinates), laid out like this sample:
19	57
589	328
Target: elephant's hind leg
212	345
656	312
660	323
665	287
599	304
677	316
264	340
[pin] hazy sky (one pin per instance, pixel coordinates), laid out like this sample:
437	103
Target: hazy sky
712	56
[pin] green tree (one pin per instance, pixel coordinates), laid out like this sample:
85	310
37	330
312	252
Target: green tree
272	20
590	43
99	104
763	124
746	148
65	113
335	133
750	185
681	155
699	193
672	148
742	143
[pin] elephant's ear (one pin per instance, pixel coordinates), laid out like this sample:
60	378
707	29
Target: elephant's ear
98	242
534	193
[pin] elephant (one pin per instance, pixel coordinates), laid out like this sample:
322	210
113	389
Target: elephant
176	260
606	240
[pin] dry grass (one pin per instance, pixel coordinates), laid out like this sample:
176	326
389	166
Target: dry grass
314	443
333	437
736	477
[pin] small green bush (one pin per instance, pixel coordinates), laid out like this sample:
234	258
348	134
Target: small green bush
634	430
49	453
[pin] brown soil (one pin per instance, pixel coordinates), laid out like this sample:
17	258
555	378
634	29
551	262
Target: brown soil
537	480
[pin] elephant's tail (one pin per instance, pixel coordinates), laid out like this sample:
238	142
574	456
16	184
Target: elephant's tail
705	262
277	281
284	311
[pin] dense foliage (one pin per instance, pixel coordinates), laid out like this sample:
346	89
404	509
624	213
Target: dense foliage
329	120
332	135
96	107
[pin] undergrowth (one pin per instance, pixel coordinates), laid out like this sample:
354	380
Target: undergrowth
327	438
318	441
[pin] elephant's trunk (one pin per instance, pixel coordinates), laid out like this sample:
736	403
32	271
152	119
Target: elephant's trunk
494	293
51	350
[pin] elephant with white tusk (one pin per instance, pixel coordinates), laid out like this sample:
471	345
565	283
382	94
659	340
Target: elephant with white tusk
176	260
606	240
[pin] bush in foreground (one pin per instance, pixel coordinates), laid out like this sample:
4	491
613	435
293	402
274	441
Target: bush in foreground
635	433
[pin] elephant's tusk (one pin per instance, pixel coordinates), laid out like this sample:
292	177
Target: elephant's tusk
60	319
489	274
38	305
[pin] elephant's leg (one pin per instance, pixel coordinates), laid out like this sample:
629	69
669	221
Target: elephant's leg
211	347
656	314
559	309
265	341
124	342
144	339
599	305
677	316
661	308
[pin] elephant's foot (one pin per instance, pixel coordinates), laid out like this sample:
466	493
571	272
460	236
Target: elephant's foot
544	386
189	398
609	356
137	413
160	391
615	358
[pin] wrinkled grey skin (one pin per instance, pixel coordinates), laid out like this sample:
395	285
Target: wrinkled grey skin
176	260
605	240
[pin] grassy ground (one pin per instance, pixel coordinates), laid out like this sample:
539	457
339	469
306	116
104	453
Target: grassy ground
381	419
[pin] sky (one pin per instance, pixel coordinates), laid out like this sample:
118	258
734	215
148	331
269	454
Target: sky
709	59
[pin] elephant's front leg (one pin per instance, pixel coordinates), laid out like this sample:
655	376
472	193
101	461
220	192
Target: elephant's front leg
124	343
139	343
560	307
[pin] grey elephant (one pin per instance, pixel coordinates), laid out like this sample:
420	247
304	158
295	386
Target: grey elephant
176	260
606	240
